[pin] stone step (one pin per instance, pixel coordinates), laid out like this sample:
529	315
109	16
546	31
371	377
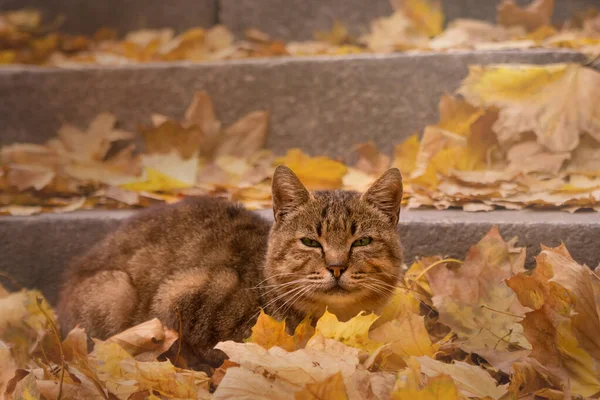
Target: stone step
35	250
322	105
299	19
87	16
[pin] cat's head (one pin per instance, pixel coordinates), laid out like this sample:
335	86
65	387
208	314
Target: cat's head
336	249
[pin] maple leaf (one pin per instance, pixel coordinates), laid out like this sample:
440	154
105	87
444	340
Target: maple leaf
534	16
268	332
407	336
532	98
354	332
475	302
315	172
558	335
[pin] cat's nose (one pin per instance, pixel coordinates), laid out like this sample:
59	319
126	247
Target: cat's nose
337	270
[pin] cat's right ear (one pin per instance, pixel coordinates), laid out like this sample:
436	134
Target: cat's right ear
288	192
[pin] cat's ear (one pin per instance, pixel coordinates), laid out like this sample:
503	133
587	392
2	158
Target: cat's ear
386	194
288	192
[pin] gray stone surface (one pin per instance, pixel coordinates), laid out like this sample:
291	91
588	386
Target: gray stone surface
298	19
86	16
35	250
322	105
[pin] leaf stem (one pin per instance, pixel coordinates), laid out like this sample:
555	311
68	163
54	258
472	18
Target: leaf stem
435	264
39	301
501	312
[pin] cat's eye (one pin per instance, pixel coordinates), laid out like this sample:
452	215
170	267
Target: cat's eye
362	242
310	242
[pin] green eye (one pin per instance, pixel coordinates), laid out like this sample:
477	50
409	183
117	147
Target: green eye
310	242
362	242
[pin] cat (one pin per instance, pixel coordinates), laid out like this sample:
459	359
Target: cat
215	264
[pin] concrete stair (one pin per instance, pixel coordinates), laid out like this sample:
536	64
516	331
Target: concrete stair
322	105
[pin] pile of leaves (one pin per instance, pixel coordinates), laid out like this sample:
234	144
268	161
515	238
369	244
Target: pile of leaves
484	328
416	25
514	136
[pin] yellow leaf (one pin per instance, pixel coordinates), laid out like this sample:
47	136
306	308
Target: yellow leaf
155	181
354	332
315	172
426	15
457	115
405	155
532	98
331	388
441	387
338	34
408	336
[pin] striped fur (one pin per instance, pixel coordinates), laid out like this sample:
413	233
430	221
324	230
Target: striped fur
218	264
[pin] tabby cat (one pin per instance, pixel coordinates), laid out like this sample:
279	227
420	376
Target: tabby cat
218	264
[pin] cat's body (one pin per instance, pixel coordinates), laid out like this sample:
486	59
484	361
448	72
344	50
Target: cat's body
217	264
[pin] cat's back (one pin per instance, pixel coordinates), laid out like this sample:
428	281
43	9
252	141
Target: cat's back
197	242
201	230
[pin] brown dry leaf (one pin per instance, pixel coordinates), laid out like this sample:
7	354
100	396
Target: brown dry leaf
24	176
535	15
531	98
370	160
91	145
553	329
202	114
246	137
475	302
145	341
9	366
331	388
172	135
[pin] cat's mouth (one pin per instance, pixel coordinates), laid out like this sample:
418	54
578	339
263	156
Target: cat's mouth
338	288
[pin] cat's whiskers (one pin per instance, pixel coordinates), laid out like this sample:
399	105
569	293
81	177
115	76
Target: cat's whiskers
272	276
290	292
282	285
290	302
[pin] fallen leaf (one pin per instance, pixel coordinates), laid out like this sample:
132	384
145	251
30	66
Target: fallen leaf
315	172
354	333
331	388
534	16
145	341
470	380
530	98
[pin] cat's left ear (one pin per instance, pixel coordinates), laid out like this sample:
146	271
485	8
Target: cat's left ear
386	194
288	192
